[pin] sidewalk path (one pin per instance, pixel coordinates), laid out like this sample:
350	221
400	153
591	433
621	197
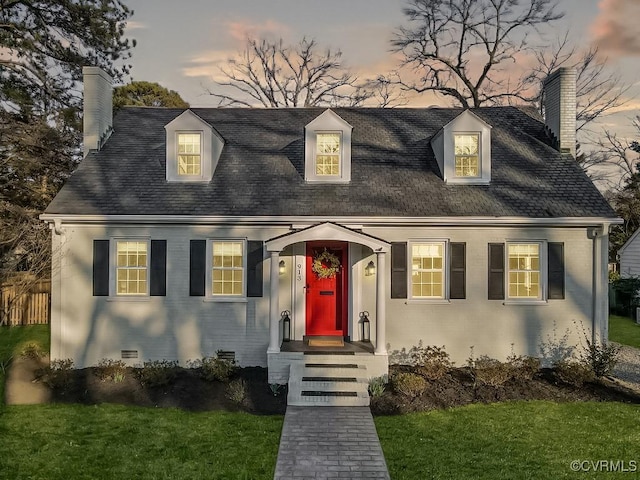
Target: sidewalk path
330	442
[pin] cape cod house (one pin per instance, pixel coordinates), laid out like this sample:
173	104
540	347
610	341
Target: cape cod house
187	232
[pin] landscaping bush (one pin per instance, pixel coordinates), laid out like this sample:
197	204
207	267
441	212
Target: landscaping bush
111	370
214	368
409	384
523	367
237	391
33	350
573	373
432	362
377	386
157	373
490	371
57	375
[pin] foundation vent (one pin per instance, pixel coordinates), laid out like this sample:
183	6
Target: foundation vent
226	355
129	353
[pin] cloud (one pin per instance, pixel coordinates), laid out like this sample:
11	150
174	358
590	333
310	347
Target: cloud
239	30
133	25
616	29
207	64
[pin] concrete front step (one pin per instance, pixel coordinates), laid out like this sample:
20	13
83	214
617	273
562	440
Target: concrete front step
328	380
314	400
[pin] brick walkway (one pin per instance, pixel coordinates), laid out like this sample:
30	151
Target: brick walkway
330	442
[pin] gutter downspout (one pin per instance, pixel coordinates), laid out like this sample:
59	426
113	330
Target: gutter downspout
600	300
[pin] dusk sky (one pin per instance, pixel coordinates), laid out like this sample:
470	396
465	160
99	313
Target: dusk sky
181	45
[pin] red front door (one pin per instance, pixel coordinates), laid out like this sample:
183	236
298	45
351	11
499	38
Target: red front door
326	310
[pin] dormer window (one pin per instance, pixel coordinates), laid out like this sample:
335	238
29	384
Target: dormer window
189	153
467	154
328	154
193	149
463	150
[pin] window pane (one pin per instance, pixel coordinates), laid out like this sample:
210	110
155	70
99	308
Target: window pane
427	270
189	154
228	268
131	268
524	270
328	153
466	151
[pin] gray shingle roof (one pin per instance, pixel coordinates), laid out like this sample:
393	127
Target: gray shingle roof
394	170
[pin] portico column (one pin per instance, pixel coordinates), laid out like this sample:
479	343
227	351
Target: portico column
381	296
274	318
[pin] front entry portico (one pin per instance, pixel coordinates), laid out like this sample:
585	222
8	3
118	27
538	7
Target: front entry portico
329	306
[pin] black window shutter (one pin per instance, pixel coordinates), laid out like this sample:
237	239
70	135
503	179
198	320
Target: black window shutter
496	271
556	271
100	268
197	267
398	270
457	282
255	257
158	274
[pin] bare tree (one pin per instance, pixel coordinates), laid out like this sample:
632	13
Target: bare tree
598	91
25	253
459	48
622	154
271	74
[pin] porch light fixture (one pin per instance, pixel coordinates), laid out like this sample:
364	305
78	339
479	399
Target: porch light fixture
365	327
286	326
370	269
281	267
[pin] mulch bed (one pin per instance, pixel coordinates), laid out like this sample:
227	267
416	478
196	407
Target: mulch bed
457	388
189	391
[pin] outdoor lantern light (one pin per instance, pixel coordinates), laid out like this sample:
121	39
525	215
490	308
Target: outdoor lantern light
365	327
286	326
370	269
281	266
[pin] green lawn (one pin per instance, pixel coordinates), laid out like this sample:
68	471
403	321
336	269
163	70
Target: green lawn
521	440
116	442
13	339
624	330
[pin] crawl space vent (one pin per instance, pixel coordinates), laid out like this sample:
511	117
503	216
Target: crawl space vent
225	355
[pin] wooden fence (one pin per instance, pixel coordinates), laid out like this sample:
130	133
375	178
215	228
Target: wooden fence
29	308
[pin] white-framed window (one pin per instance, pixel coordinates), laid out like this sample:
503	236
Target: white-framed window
328	153
428	269
227	268
189	145
525	276
131	267
466	148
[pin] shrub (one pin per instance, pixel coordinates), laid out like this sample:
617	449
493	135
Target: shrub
556	349
237	391
58	374
573	373
600	357
377	386
276	388
432	362
214	368
409	384
32	350
111	370
157	373
490	371
523	366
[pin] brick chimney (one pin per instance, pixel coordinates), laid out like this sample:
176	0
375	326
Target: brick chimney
98	108
560	108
